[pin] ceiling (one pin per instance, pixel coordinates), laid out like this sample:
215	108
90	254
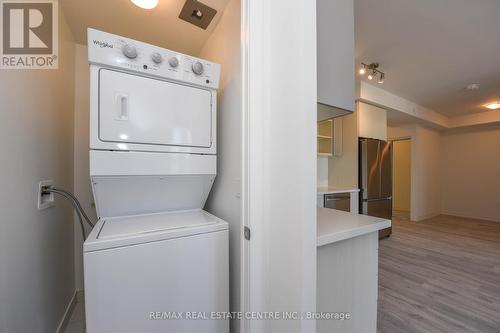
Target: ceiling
431	50
159	26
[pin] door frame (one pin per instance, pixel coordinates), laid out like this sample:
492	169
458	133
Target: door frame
404	138
272	45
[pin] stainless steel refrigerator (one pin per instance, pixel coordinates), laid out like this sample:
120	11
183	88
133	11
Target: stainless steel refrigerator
375	180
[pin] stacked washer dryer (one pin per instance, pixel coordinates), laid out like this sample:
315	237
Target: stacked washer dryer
154	251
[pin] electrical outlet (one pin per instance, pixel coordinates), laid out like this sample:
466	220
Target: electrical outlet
45	200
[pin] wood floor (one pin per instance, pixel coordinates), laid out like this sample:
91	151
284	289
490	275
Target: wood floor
440	275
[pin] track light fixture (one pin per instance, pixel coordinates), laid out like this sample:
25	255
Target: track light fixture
372	70
381	78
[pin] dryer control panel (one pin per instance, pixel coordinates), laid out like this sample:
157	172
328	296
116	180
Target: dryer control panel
131	55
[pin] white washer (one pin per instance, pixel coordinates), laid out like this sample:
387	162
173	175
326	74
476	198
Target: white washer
155	261
144	267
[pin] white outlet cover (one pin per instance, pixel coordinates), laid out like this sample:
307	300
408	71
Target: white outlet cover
46	201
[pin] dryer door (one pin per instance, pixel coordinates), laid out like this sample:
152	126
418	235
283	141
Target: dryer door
141	110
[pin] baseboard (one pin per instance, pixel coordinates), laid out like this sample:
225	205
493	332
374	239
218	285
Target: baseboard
473	217
80	296
67	314
424	217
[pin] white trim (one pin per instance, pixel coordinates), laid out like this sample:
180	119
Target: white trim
67	313
424	217
245	296
253	212
80	296
279	180
473	217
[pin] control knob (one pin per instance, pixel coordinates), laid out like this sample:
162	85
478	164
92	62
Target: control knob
197	68
129	51
157	58
173	62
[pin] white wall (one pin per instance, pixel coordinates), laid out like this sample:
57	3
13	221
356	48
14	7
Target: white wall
281	156
426	191
36	247
82	187
470	162
224	201
322	171
372	121
425	169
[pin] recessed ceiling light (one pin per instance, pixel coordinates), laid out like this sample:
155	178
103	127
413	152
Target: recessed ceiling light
146	4
473	87
493	106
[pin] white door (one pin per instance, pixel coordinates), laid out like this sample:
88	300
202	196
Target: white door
141	110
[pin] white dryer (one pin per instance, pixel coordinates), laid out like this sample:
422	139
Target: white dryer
155	261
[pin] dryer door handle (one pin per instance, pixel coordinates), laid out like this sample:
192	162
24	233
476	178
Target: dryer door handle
122	105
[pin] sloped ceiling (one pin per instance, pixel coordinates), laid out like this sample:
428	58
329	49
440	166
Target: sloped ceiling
159	26
432	49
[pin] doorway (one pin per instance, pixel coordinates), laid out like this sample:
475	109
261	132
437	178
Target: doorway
401	192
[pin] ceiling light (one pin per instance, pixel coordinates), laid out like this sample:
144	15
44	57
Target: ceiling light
373	70
146	4
473	87
493	106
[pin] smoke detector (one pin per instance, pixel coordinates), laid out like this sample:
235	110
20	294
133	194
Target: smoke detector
473	87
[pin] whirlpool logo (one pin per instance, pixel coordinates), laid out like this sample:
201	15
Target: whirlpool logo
103	44
29	34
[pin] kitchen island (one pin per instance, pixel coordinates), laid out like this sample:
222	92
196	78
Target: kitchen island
347	270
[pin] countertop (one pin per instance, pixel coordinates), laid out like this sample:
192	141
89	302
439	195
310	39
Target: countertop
335	225
331	190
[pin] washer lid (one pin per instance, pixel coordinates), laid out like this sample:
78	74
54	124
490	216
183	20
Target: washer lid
131	230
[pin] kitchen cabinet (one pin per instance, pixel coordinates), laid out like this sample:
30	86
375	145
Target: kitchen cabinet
325	138
330	137
372	122
347	270
336	69
347	282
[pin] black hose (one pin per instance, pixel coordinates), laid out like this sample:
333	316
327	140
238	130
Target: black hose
75	201
76	205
